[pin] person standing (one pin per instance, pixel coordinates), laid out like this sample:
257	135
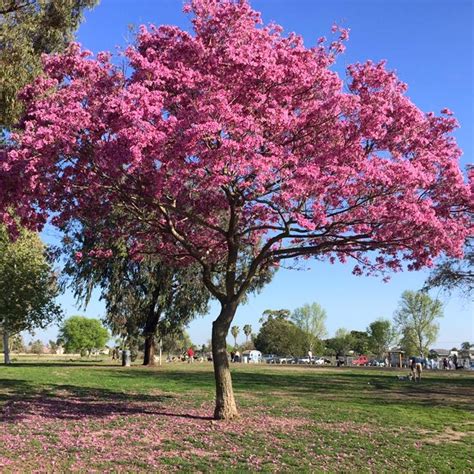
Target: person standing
190	354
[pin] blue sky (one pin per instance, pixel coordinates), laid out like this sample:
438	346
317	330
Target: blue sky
427	42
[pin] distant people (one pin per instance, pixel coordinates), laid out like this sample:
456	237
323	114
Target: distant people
310	356
416	367
445	364
237	356
387	363
455	361
232	356
190	354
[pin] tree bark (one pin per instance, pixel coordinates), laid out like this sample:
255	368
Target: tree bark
225	409
149	353
6	348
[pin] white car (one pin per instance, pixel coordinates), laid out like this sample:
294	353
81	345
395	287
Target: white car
319	361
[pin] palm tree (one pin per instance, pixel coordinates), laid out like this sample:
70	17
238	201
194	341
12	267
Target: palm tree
234	330
465	346
247	331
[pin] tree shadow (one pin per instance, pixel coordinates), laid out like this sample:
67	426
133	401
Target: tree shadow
69	402
21	399
70	363
365	387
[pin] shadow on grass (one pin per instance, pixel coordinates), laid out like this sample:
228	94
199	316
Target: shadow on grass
20	399
71	363
68	402
344	385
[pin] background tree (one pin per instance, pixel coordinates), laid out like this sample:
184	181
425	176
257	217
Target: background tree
144	298
235	330
416	320
15	342
408	342
29	28
455	274
311	318
465	346
53	345
247	331
238	137
275	313
360	342
341	343
279	336
381	336
27	286
37	347
83	335
176	342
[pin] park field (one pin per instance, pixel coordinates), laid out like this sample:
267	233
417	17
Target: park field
92	416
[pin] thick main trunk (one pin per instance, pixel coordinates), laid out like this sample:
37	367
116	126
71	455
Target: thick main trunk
149	353
225	409
6	348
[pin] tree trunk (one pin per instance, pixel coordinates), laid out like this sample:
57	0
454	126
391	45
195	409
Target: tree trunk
226	408
149	355
6	348
151	325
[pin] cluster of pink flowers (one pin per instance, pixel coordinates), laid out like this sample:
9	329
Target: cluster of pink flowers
239	129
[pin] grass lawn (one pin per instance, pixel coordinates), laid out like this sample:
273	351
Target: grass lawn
59	416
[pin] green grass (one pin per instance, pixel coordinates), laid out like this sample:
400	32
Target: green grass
79	415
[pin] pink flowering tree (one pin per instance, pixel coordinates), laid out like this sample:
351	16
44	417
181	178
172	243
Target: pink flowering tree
237	147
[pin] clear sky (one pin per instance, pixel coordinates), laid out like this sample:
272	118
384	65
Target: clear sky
429	43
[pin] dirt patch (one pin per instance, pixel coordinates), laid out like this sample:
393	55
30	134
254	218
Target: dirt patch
447	436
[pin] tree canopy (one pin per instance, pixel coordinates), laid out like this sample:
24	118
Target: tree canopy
416	319
311	318
28	286
455	274
280	336
29	28
381	335
341	343
83	335
235	330
247	331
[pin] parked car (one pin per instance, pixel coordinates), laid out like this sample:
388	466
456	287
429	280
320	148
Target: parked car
284	360
361	360
252	357
321	361
376	363
269	358
303	360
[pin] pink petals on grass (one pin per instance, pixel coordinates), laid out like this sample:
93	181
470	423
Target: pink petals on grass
52	434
